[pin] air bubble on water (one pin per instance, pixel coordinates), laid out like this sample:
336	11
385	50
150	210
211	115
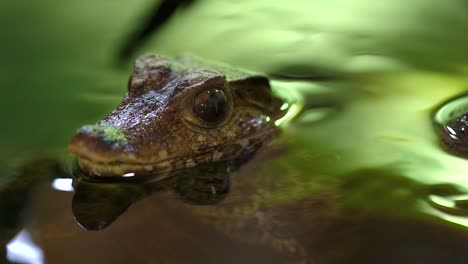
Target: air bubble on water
451	123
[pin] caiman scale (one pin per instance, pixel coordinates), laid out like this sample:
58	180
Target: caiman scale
179	113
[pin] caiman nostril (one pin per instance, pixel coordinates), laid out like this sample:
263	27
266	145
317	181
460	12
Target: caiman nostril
92	141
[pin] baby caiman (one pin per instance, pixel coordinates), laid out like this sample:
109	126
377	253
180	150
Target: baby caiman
179	113
181	117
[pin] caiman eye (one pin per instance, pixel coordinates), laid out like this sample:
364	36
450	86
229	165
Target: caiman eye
211	105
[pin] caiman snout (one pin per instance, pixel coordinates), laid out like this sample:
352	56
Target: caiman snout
98	143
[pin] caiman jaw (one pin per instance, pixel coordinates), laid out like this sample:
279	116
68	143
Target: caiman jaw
118	169
99	156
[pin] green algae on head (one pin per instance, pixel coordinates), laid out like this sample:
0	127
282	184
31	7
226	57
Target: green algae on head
110	134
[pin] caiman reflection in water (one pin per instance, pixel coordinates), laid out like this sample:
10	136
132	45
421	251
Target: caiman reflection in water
97	204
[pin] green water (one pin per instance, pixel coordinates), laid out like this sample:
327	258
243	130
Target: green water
362	180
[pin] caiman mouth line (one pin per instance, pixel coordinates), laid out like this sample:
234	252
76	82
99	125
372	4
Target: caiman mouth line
225	152
120	168
123	178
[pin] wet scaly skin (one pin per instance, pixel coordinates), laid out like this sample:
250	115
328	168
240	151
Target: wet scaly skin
179	113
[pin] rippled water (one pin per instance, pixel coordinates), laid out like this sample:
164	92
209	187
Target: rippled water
361	176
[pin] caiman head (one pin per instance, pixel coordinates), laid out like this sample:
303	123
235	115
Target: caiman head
179	113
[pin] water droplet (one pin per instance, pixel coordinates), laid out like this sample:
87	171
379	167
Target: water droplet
451	121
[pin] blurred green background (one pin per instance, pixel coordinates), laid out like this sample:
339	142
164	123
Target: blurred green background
57	68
